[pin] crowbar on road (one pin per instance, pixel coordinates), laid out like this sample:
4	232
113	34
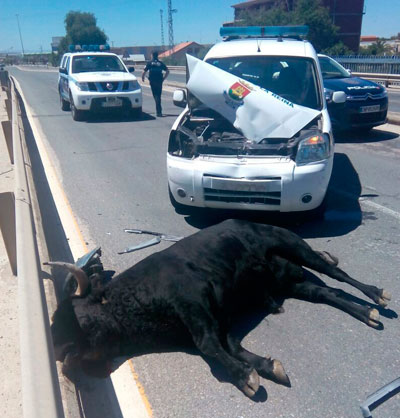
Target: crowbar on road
380	396
159	236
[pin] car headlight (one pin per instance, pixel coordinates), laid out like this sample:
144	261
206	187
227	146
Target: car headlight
328	95
134	85
82	86
312	149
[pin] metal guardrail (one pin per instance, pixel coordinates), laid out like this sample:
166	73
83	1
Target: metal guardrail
41	397
370	64
386	79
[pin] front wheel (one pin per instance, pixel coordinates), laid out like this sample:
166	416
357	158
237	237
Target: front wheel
77	114
64	104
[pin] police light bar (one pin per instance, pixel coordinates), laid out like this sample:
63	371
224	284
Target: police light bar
264	31
74	48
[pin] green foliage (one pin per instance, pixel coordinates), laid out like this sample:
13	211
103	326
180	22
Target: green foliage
322	32
338	49
81	29
377	48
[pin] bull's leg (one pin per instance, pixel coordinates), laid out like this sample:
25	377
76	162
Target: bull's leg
205	333
266	367
335	297
298	251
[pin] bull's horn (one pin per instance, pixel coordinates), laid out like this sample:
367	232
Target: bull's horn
80	276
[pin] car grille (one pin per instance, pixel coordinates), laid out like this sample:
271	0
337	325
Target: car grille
366	96
257	191
368	117
102	87
113	85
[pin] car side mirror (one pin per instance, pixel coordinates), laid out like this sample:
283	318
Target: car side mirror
131	69
63	70
179	98
339	97
348	70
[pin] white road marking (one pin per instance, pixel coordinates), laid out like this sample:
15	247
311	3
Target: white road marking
132	399
370	203
381	208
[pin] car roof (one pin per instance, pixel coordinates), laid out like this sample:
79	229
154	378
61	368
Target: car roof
93	53
262	46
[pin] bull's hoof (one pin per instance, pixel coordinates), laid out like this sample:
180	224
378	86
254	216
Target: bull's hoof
373	318
280	375
385	298
252	384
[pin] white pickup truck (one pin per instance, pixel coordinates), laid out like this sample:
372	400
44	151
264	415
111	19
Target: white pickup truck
97	81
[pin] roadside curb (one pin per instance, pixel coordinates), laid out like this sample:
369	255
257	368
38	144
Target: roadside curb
393	118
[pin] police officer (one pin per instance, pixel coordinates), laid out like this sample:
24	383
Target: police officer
158	72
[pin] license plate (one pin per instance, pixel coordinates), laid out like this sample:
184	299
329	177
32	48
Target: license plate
112	102
369	109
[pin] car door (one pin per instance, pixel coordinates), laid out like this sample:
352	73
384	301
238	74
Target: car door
64	78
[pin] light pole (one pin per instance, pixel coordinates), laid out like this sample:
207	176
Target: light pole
20	37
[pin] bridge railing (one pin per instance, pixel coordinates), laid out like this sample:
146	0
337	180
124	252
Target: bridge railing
41	396
370	64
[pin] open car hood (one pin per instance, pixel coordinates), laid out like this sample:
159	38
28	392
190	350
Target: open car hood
255	112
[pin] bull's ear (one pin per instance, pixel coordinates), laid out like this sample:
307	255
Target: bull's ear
97	324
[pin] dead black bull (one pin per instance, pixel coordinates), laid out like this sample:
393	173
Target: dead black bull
195	287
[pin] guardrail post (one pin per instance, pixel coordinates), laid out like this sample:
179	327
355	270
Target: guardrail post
7	130
7	226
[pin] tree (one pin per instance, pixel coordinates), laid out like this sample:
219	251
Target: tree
380	47
323	34
81	29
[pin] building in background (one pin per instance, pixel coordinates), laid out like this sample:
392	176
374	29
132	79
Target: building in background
346	14
55	42
180	50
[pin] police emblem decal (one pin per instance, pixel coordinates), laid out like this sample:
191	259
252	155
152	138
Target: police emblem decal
238	91
235	94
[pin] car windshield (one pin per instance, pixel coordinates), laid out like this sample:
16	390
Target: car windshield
96	63
332	69
293	78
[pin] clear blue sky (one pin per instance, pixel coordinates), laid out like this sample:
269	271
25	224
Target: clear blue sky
137	22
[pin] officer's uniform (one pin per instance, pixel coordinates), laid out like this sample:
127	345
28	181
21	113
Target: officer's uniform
155	69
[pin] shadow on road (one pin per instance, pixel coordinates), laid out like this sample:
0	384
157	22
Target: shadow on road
360	136
342	215
109	117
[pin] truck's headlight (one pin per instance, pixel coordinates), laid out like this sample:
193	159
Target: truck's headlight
82	86
134	85
312	149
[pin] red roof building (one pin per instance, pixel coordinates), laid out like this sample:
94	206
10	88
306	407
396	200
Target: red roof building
183	48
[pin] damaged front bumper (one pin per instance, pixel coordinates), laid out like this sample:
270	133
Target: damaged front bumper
248	183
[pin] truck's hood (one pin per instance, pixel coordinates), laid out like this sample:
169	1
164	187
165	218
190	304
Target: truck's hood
255	112
99	77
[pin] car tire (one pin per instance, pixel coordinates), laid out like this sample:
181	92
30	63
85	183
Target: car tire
77	114
64	104
137	112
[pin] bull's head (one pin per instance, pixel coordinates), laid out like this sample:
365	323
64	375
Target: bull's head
84	332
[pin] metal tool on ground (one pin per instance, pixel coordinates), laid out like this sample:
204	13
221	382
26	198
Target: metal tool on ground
159	236
380	396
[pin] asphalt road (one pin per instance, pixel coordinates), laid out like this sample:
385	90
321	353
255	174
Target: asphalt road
113	172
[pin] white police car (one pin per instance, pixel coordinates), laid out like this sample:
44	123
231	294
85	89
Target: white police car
92	79
255	133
